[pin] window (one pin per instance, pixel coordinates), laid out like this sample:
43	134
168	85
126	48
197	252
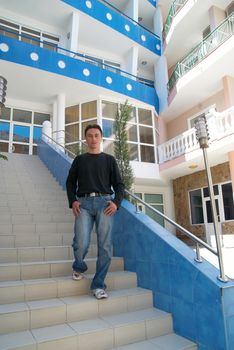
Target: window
22	116
109	109
4	131
196	207
36	134
89	110
39	118
21	133
72	114
156	201
108	128
140	131
5	113
72	133
228	205
29	35
145	116
9	29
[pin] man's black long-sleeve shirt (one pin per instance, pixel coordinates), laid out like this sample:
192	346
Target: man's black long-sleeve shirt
94	173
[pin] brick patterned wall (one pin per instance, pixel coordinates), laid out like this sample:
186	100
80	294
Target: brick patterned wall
181	186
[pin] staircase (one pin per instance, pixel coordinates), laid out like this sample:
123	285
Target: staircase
41	307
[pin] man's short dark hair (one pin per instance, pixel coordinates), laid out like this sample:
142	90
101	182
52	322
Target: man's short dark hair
93	126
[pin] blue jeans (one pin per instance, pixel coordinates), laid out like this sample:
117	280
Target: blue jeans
92	211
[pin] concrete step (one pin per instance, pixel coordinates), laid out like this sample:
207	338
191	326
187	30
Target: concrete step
29	254
38	240
35	240
7	218
170	341
40	289
101	333
49	312
46	269
38	228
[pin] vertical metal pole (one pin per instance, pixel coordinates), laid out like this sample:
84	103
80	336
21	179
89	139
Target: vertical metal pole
222	276
198	254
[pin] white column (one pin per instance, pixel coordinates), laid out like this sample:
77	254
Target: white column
54	121
131	61
161	80
158	22
131	9
46	130
216	16
61	119
73	32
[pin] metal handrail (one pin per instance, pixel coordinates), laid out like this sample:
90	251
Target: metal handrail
83	56
174	9
66	150
201	51
194	238
124	15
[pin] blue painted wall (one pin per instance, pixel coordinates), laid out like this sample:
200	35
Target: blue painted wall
202	307
22	53
56	161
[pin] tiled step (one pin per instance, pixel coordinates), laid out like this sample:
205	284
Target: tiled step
102	333
8	218
34	314
35	240
39	228
165	342
18	271
29	254
38	240
39	289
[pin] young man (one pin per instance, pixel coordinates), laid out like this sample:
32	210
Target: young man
89	189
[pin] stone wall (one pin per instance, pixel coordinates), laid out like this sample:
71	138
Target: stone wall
220	173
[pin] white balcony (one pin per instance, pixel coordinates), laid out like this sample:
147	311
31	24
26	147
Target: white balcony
220	125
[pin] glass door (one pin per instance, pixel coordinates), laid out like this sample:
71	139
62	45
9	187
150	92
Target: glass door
208	219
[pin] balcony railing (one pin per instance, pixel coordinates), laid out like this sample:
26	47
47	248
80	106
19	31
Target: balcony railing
219	125
174	9
104	12
126	16
215	39
85	58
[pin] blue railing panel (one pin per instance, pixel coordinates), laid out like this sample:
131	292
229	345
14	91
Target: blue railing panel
153	2
33	56
118	22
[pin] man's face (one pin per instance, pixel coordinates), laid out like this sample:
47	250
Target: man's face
93	138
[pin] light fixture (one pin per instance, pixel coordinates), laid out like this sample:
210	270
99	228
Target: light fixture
202	134
193	166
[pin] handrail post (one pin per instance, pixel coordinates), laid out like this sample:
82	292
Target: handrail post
198	254
222	276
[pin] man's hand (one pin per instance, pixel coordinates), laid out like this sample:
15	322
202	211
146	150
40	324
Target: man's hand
76	208
110	209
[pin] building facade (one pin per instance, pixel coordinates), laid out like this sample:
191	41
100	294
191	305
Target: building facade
76	62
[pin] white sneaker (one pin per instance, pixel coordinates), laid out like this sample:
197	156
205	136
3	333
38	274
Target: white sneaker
77	276
100	293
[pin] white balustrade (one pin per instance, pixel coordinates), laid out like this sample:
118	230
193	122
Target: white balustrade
219	126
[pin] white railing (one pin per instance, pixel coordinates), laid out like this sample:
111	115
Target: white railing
219	124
